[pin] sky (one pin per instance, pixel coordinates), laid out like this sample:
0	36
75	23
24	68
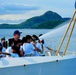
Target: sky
17	11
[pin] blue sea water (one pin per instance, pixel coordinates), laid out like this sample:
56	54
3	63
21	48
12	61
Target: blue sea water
8	33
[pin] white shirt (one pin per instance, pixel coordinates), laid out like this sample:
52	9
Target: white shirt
38	45
9	49
4	49
45	47
28	48
44	51
21	48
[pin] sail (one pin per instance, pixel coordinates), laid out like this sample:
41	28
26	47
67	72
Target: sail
54	37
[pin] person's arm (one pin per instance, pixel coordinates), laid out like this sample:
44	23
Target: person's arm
42	47
19	44
21	53
50	49
5	53
37	48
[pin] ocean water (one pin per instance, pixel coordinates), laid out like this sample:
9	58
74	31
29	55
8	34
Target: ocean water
8	33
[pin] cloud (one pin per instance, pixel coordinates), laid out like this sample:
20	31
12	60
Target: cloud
18	18
16	8
11	21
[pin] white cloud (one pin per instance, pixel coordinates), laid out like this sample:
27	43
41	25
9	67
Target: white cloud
17	17
16	8
21	16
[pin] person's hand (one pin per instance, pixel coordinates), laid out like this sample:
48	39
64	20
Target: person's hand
34	44
41	52
53	50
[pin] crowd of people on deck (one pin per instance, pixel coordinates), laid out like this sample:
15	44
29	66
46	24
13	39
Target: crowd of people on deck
27	46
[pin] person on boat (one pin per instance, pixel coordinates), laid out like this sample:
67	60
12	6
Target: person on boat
37	45
14	51
17	41
28	48
44	45
4	42
2	50
9	49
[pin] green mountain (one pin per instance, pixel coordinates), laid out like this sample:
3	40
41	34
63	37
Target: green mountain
48	20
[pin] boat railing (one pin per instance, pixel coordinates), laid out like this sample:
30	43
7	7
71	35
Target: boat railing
50	53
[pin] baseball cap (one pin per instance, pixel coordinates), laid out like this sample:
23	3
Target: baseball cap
17	32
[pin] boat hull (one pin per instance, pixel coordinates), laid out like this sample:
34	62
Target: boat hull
57	66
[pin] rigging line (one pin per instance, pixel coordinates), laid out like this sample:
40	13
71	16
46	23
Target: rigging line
69	37
65	34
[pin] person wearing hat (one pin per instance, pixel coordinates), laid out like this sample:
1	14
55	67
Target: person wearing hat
16	38
16	41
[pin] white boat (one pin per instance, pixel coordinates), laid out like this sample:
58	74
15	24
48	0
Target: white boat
48	65
42	65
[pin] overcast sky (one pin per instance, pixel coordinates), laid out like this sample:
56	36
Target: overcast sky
16	11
